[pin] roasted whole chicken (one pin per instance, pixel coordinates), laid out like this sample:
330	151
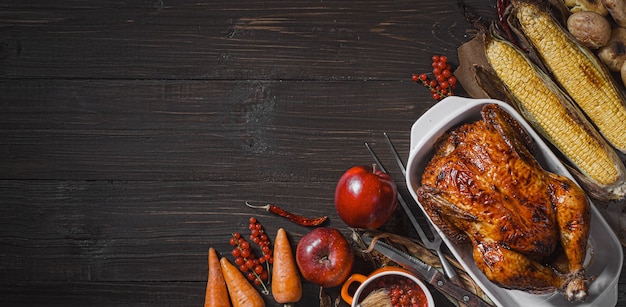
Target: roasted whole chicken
528	227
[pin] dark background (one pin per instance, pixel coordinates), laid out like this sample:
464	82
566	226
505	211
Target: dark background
132	132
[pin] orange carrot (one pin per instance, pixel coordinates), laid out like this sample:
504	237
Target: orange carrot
242	293
286	283
216	292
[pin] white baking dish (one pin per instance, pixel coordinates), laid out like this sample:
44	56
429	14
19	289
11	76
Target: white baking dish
604	257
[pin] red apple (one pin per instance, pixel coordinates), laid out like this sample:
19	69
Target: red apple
324	257
365	197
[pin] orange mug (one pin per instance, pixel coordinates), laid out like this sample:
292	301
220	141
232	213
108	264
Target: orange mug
367	283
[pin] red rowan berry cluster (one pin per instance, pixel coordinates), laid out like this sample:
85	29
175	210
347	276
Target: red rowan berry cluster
443	83
256	269
259	237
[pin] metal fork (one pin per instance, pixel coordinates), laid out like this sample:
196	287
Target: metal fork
435	244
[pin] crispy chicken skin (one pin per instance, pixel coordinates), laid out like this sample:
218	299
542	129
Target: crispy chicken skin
483	186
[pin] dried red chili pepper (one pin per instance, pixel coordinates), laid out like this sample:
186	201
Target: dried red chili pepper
298	219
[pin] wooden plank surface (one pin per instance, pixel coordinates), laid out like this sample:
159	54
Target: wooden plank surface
188	130
302	40
132	132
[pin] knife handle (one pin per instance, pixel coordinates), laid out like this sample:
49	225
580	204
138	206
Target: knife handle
461	294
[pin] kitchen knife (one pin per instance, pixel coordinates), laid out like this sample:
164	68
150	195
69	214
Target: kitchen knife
428	273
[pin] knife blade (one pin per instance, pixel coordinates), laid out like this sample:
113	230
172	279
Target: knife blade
428	273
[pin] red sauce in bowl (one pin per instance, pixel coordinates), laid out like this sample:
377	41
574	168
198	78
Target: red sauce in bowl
403	292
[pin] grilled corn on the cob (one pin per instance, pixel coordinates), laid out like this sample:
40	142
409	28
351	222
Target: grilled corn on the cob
556	117
577	70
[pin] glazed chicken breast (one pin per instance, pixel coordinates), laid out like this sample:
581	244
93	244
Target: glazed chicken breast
528	227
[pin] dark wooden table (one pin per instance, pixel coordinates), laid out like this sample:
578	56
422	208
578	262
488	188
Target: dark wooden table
132	132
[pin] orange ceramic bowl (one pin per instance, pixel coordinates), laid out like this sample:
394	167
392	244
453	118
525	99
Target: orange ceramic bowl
389	278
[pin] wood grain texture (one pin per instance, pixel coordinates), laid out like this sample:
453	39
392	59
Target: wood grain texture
198	130
302	40
132	132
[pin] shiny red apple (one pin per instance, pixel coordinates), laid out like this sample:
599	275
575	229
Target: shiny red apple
324	257
365	197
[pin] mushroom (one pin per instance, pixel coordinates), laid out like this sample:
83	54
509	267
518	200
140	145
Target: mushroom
617	9
587	5
590	28
613	54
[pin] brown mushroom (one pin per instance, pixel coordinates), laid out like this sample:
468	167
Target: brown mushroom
617	9
613	54
591	29
587	5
